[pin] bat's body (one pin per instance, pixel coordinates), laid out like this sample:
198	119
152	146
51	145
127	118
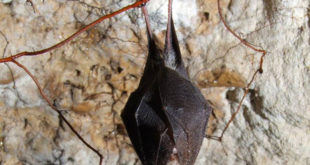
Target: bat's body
166	111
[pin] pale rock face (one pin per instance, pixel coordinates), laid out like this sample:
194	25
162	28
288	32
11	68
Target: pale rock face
91	78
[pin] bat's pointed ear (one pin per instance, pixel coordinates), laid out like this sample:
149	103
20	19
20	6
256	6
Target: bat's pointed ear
153	50
171	44
172	53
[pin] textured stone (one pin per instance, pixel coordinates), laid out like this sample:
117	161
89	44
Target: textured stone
91	78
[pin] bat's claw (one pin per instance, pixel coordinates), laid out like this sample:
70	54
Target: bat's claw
144	3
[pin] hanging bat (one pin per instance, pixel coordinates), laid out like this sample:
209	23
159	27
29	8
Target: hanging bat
166	113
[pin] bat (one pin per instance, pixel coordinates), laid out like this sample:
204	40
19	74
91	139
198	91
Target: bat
166	111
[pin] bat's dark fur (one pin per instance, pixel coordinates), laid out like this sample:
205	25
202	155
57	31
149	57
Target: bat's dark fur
166	111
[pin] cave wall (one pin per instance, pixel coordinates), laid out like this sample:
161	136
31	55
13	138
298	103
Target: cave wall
91	78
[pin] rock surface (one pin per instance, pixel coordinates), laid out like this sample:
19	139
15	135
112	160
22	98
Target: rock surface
91	78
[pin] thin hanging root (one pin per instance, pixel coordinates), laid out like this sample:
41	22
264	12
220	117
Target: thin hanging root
242	40
259	70
60	44
55	109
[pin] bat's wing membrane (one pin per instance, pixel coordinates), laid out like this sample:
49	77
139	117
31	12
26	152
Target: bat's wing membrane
187	113
144	121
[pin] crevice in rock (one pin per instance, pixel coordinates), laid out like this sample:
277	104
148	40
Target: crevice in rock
257	102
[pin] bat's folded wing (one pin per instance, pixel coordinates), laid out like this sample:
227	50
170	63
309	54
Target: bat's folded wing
187	113
144	121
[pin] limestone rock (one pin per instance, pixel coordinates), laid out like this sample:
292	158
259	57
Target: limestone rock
91	78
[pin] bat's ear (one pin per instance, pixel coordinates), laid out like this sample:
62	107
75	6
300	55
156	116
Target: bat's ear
153	50
171	42
172	53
